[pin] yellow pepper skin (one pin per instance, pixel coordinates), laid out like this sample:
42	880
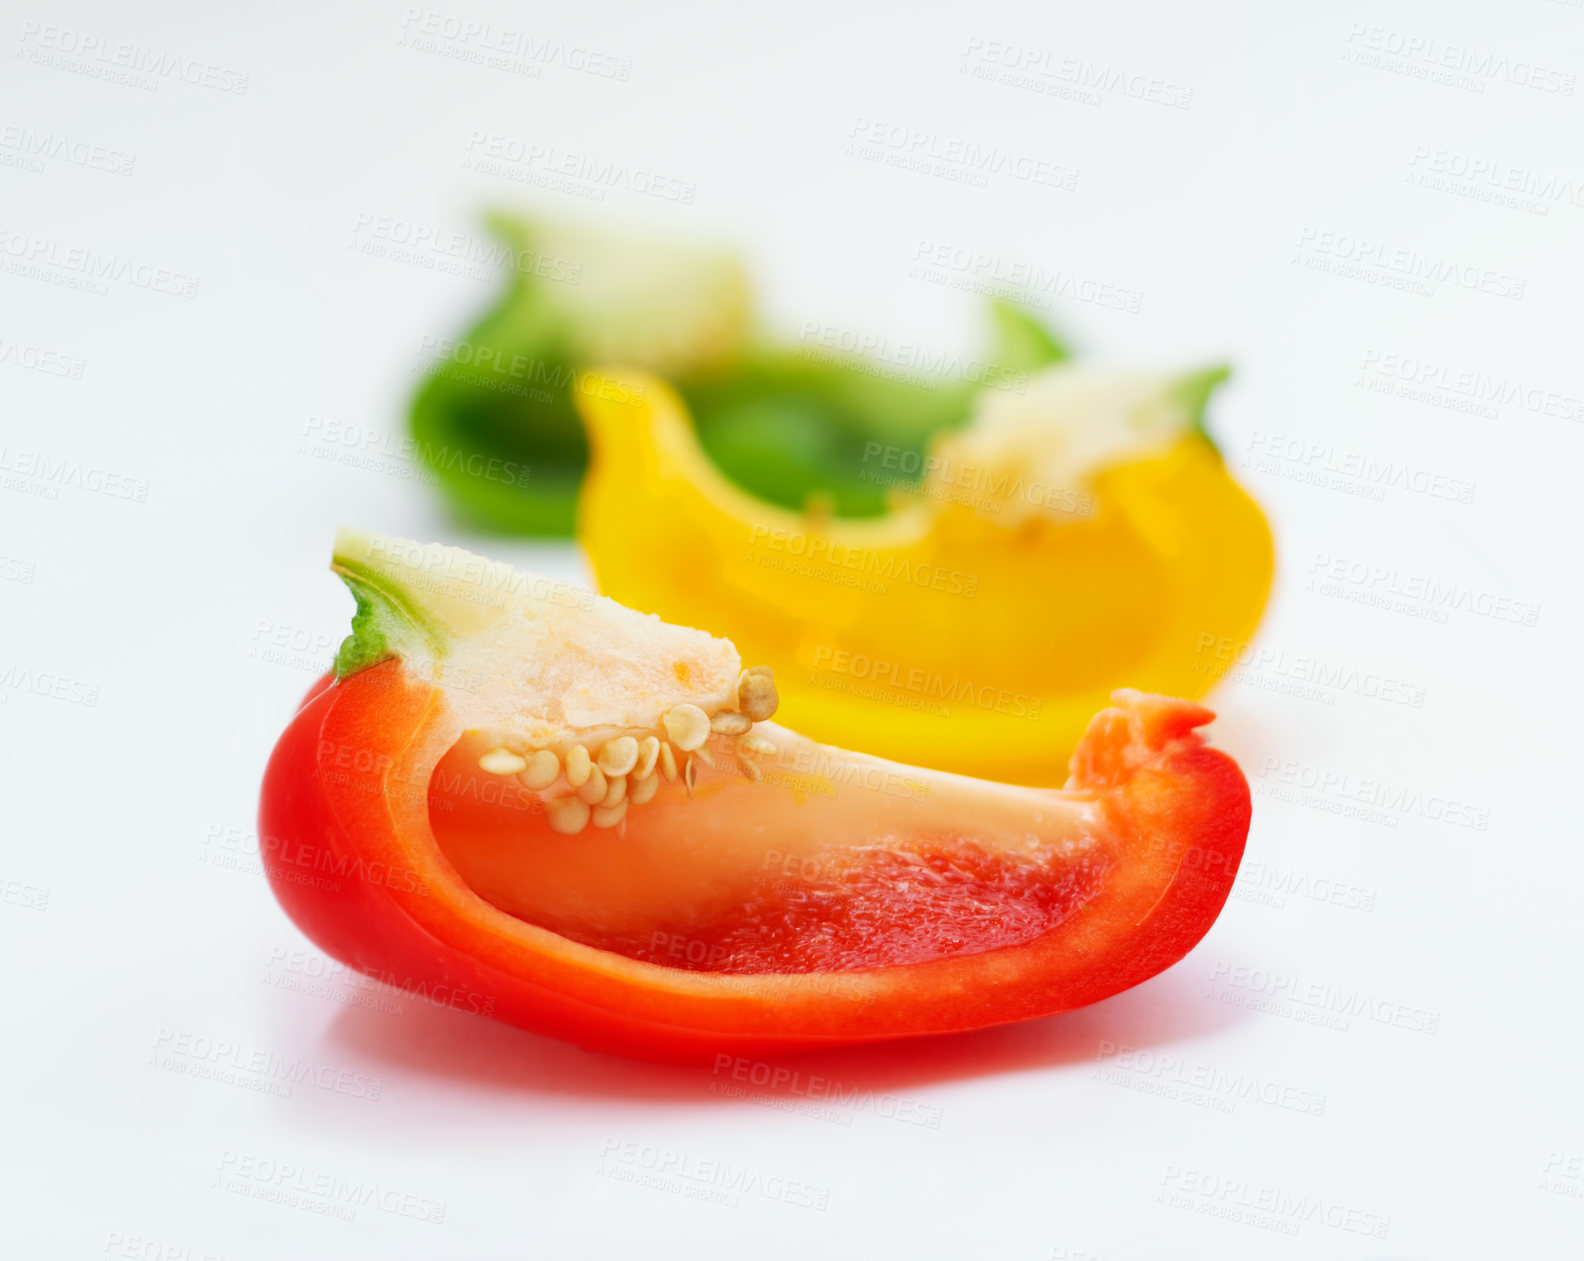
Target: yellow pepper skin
939	635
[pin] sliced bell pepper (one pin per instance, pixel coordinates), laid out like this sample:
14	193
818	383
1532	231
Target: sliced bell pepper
533	803
1078	534
784	421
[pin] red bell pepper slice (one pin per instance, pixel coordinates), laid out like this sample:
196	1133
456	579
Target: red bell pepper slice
836	900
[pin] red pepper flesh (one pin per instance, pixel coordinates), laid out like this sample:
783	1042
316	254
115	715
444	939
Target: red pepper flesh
384	863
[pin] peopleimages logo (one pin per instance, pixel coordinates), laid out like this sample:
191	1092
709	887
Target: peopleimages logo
1492	180
320	1192
985	271
1437	382
82	266
779	1079
1071	78
303	862
904	361
983	486
1356	472
27	897
1267	1207
1205	1085
270	1072
35	148
549	166
121	1246
716	1181
1398	266
819	552
401	455
1439	60
928	685
816	769
451	251
1369	791
51	363
1312	676
18	680
955	157
1270	884
50	476
1386	586
119	60
500	48
491	580
1314	1002
1563	1174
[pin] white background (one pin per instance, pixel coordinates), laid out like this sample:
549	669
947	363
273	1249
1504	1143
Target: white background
1438	993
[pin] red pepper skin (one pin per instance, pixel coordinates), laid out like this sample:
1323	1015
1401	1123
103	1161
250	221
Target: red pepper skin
350	856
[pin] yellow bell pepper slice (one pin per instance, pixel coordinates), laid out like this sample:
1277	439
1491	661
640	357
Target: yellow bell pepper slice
1077	538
